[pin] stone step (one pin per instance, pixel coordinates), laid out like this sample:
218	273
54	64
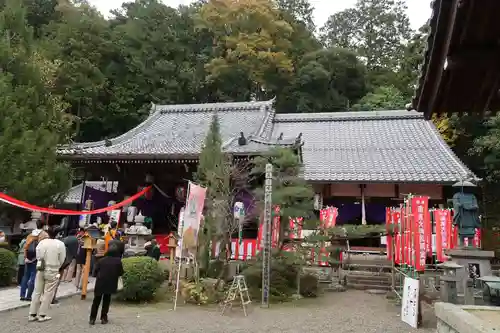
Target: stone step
362	286
369	282
368	278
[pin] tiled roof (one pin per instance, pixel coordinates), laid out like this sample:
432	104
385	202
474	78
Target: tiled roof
179	130
74	195
386	146
375	146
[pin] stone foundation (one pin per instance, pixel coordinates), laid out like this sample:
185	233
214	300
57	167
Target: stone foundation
460	319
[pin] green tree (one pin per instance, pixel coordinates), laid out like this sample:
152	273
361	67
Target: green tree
32	118
411	62
251	44
153	58
290	191
300	10
382	98
210	174
80	40
488	146
326	80
377	30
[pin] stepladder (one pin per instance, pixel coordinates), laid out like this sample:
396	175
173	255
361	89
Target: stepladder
238	292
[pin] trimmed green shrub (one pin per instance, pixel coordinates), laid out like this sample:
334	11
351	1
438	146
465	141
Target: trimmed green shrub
309	285
141	279
214	269
7	267
283	282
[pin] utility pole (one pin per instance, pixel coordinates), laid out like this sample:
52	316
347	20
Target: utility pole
266	248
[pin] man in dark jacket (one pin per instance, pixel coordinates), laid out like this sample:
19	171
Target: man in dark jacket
108	269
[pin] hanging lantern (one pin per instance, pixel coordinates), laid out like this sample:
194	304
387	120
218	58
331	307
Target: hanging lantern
239	210
89	203
180	193
318	201
131	213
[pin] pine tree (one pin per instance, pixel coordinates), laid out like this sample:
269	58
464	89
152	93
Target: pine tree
211	173
32	119
291	192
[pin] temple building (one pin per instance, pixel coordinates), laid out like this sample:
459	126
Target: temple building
361	162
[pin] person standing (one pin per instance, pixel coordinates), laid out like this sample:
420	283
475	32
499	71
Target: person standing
153	249
111	234
32	241
71	242
81	258
50	256
20	260
108	270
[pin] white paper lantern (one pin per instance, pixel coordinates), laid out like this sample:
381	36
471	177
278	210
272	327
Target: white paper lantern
131	213
110	203
239	210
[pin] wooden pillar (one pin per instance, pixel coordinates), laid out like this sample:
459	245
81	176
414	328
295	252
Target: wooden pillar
363	207
88	246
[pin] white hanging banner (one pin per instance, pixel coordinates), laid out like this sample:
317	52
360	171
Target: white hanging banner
409	306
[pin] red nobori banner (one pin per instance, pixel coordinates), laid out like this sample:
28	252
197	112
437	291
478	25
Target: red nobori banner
443	231
420	208
477	238
388	222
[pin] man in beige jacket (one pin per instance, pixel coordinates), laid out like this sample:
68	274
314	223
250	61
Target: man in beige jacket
50	255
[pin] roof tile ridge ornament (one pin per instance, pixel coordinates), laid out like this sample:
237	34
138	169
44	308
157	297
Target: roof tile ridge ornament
152	109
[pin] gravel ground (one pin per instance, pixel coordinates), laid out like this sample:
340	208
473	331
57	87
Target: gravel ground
348	312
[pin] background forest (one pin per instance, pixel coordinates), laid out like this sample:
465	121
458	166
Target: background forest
96	77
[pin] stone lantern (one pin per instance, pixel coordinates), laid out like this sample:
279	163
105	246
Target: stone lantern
137	235
449	281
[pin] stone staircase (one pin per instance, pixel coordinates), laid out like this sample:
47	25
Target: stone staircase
363	280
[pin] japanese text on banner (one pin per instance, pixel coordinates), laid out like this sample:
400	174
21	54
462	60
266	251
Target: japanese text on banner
420	209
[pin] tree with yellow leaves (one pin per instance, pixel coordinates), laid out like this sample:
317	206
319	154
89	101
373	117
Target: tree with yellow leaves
251	44
445	128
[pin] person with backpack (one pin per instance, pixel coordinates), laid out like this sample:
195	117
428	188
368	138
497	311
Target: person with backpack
30	262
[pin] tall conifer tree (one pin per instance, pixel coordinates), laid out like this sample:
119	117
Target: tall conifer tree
32	119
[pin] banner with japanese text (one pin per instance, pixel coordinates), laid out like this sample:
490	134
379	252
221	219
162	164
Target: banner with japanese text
420	208
443	230
192	216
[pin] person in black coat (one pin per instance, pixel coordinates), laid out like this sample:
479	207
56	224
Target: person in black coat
109	269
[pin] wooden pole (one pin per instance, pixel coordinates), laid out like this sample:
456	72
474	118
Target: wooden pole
86	272
172	264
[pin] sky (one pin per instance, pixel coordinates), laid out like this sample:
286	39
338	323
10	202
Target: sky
419	11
